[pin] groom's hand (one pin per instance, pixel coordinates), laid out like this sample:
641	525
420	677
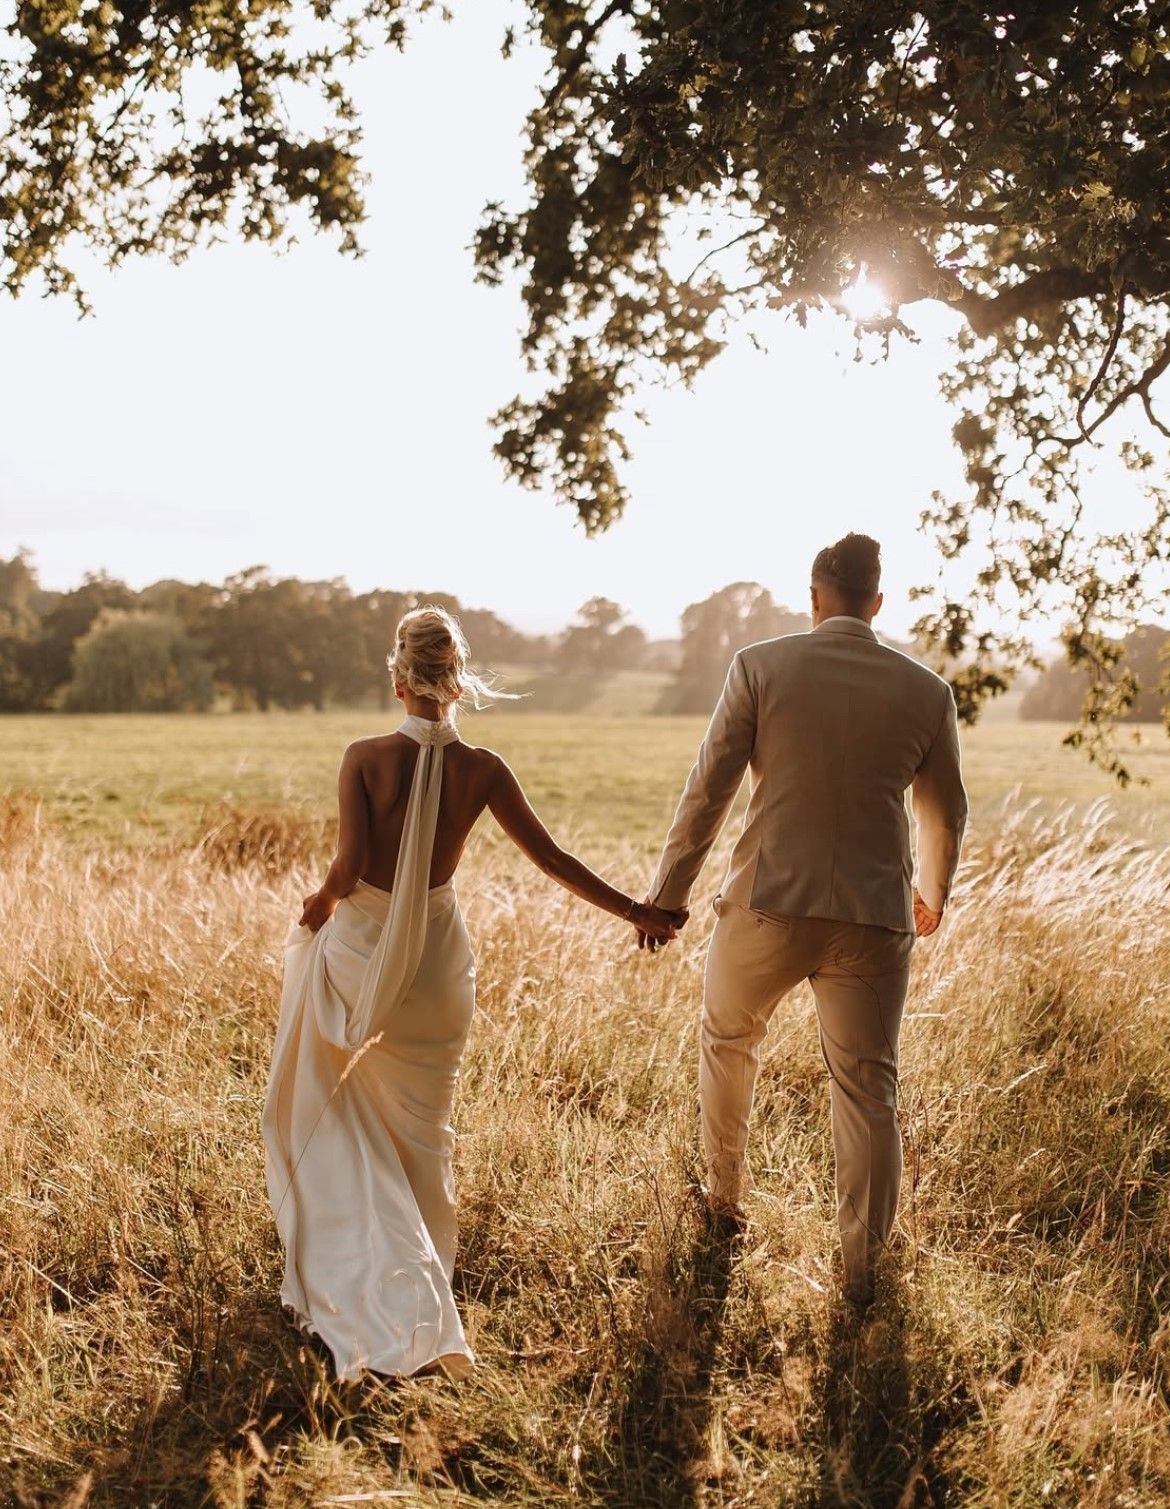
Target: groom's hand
925	921
674	920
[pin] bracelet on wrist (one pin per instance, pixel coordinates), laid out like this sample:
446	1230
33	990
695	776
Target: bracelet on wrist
629	911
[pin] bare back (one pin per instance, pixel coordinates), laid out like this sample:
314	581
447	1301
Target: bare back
386	767
373	794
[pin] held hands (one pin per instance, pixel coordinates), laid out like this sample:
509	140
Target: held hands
318	909
925	921
654	925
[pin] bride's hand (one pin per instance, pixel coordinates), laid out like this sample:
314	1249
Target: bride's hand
318	909
654	925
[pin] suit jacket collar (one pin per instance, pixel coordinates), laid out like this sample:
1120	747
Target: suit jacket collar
842	624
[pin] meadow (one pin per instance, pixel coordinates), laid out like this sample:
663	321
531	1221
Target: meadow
1019	1349
148	782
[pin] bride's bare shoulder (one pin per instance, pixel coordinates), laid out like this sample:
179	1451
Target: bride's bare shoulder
376	747
485	762
479	754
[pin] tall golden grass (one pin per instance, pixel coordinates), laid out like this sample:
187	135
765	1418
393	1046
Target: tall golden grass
1018	1351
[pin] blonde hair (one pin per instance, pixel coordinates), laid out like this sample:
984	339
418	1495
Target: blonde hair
431	659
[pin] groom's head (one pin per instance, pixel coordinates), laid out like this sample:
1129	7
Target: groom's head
846	579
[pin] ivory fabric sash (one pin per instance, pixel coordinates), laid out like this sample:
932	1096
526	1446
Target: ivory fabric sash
395	961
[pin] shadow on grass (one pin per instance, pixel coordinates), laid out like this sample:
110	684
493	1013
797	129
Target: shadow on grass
660	1452
255	1384
879	1426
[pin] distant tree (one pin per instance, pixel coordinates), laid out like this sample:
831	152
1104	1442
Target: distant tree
282	642
600	641
494	642
19	627
1056	694
19	588
136	662
67	618
322	643
626	648
535	650
374	617
1062	691
713	630
189	602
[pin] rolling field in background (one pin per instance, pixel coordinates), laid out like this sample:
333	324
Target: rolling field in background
146	780
1019	1350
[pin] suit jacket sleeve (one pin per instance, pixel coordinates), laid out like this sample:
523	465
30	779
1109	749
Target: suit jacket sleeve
940	811
710	790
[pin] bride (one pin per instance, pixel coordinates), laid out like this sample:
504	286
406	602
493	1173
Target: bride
377	1000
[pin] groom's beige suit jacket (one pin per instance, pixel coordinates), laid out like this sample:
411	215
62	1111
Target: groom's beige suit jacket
834	727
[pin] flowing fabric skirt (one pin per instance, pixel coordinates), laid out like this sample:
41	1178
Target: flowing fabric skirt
359	1141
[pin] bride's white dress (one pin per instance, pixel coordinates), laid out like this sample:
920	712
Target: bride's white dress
374	1013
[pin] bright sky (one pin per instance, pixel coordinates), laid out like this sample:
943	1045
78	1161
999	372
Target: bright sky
328	417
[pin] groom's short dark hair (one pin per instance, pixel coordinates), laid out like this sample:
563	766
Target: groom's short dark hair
852	568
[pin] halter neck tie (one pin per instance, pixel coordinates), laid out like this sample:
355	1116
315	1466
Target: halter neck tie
428	733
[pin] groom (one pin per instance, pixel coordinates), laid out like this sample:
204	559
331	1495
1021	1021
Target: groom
834	727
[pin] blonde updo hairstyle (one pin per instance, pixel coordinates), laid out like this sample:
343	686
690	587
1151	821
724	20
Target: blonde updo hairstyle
430	658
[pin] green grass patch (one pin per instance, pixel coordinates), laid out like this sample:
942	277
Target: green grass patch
148	780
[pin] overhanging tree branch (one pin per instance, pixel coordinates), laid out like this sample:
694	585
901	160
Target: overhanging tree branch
571	67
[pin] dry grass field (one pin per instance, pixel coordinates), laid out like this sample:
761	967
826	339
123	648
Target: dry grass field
1019	1351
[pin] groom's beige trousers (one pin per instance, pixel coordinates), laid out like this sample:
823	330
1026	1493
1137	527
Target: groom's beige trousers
859	975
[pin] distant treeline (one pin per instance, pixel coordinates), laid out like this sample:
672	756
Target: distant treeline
258	641
255	641
1059	691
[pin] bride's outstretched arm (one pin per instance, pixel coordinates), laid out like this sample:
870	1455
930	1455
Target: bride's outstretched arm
512	810
353	831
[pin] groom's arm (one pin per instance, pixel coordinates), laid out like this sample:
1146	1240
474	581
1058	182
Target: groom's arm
709	792
940	811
